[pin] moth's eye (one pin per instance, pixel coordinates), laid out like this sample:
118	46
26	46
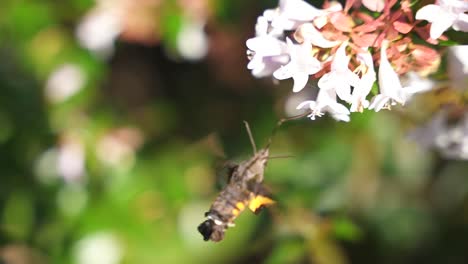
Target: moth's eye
206	229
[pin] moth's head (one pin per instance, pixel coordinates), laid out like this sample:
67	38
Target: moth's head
211	231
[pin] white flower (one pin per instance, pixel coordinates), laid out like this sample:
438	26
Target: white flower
290	14
364	86
340	78
309	33
64	82
98	248
445	14
301	65
414	83
192	41
268	52
390	87
98	30
326	102
450	138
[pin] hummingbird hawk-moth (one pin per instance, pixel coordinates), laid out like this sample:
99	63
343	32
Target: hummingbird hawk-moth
244	190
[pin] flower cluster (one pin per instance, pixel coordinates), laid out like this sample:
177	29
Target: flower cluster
352	50
447	127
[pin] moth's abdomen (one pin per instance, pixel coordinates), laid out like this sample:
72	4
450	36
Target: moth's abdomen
227	206
230	203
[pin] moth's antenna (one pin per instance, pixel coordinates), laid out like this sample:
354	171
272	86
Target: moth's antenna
250	137
283	120
280	157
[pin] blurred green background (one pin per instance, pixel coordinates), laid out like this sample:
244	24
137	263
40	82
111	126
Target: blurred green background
114	116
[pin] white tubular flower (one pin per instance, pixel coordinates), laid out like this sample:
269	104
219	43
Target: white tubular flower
390	87
340	78
358	99
445	14
290	14
457	64
326	102
308	32
301	65
268	53
414	83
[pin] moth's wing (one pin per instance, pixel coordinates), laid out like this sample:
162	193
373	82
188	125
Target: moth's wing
224	172
211	144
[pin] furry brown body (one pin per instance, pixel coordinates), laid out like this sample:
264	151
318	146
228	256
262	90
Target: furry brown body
242	191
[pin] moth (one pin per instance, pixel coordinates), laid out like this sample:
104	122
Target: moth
244	190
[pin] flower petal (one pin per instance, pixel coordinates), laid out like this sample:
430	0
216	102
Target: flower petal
374	5
305	103
461	24
300	81
299	10
309	33
285	72
427	12
343	90
378	102
327	81
338	108
261	28
341	117
389	83
340	60
443	22
266	45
